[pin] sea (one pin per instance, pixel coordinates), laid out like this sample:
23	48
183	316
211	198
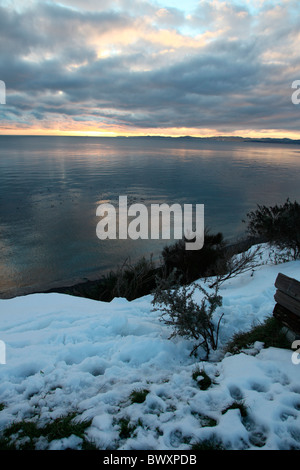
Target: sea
51	187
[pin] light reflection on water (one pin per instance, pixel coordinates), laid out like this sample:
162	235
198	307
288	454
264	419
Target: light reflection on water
50	188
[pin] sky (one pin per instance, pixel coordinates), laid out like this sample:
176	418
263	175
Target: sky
145	67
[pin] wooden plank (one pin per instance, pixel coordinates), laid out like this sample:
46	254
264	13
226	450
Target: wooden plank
287	296
287	302
287	318
288	285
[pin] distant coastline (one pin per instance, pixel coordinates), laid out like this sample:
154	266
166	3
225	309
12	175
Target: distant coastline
267	140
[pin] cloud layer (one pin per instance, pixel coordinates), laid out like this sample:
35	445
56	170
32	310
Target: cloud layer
139	67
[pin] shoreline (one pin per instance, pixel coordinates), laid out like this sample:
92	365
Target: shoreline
54	286
89	287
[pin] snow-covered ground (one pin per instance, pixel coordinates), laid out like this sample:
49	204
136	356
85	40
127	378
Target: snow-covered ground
65	354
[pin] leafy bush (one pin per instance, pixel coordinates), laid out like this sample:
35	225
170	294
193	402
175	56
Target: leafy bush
279	225
193	264
188	318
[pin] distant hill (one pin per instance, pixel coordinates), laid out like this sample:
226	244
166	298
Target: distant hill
221	138
267	140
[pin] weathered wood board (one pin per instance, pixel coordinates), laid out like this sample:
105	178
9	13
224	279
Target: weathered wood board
287	296
288	285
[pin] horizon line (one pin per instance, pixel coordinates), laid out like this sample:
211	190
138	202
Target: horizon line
187	136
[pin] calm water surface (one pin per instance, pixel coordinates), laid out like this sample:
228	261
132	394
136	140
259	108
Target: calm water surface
50	188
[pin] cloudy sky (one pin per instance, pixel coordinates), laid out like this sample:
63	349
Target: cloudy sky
135	67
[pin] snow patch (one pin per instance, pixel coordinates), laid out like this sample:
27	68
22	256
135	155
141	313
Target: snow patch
72	354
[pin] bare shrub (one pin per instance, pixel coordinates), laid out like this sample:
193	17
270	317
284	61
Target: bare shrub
238	264
188	318
132	280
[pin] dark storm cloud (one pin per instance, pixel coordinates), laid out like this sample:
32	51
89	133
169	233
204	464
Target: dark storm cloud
111	66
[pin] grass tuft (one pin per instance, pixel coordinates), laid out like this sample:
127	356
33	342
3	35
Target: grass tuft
203	380
139	396
237	405
212	443
269	332
23	435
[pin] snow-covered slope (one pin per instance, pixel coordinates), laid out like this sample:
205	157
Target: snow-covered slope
66	354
